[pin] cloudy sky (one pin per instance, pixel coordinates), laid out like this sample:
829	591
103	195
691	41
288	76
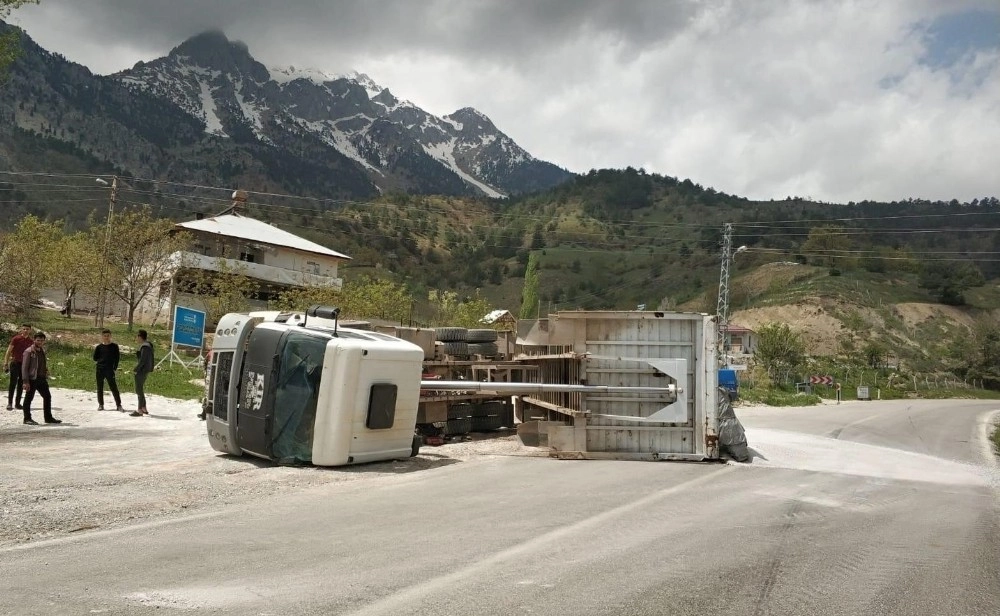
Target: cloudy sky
836	100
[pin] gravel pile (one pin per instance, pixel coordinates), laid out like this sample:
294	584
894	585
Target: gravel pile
99	470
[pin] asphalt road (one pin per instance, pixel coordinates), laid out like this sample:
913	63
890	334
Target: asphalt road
881	508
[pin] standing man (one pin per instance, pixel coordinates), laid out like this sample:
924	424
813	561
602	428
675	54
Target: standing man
142	370
35	373
12	363
106	357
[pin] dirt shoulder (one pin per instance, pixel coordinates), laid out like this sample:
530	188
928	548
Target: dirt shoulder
99	470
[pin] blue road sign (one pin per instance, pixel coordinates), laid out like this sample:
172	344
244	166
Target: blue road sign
189	327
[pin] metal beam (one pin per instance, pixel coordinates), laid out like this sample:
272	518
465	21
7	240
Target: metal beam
542	388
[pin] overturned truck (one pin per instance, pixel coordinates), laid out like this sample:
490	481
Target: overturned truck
297	388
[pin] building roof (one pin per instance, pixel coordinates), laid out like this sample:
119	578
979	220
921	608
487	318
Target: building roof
494	316
253	230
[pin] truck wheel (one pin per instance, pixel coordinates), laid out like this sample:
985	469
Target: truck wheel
455	349
461	410
459	426
485	409
507	416
451	334
486	349
481	335
417	442
486	424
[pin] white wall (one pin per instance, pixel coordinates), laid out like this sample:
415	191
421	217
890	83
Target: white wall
274	256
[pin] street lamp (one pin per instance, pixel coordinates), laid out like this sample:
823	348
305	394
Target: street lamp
102	300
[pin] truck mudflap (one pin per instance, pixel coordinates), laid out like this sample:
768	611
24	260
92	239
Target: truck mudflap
732	436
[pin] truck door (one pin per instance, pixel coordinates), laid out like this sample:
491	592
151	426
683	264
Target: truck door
256	403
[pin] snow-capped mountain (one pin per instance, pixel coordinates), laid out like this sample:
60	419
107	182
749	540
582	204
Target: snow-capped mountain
394	143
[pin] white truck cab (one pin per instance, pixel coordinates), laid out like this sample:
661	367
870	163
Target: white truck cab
296	389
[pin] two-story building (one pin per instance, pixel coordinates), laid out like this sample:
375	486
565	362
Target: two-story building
232	243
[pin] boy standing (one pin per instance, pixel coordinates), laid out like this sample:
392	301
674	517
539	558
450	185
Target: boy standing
12	363
35	373
106	357
142	370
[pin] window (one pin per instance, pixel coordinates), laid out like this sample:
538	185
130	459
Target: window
312	267
248	256
296	396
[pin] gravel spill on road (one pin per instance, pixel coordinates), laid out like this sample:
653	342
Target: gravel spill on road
99	470
793	450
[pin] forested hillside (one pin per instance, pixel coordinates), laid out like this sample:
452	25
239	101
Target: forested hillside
607	239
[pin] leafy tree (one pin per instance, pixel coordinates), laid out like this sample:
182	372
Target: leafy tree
449	311
825	247
27	261
978	353
10	41
875	355
948	281
226	289
366	298
779	350
139	255
76	264
529	296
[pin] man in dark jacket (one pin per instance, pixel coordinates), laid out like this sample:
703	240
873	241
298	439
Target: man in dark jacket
12	363
106	357
142	370
35	373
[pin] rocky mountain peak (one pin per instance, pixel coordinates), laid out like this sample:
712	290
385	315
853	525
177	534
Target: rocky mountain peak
213	50
472	120
301	129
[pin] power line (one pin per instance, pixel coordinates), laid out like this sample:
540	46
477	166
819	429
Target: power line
881	258
648	224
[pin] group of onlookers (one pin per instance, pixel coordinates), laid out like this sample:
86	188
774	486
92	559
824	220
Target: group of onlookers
27	363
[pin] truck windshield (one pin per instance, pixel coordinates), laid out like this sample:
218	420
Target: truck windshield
296	395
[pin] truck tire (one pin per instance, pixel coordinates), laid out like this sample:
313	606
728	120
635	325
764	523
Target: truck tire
481	335
415	448
455	349
507	416
459	426
486	349
451	334
486	424
485	409
459	411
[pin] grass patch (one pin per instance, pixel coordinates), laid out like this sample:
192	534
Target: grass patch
778	397
71	365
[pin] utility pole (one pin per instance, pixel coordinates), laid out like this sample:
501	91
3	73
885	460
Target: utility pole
102	302
722	310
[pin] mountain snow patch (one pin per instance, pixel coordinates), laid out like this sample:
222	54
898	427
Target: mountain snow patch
444	152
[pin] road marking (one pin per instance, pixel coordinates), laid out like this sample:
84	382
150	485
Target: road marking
986	424
35	545
408	597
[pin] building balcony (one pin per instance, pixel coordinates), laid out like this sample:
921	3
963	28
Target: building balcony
257	271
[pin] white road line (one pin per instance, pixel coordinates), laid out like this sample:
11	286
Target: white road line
90	536
985	424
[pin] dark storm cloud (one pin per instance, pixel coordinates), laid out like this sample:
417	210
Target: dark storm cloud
513	29
820	98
